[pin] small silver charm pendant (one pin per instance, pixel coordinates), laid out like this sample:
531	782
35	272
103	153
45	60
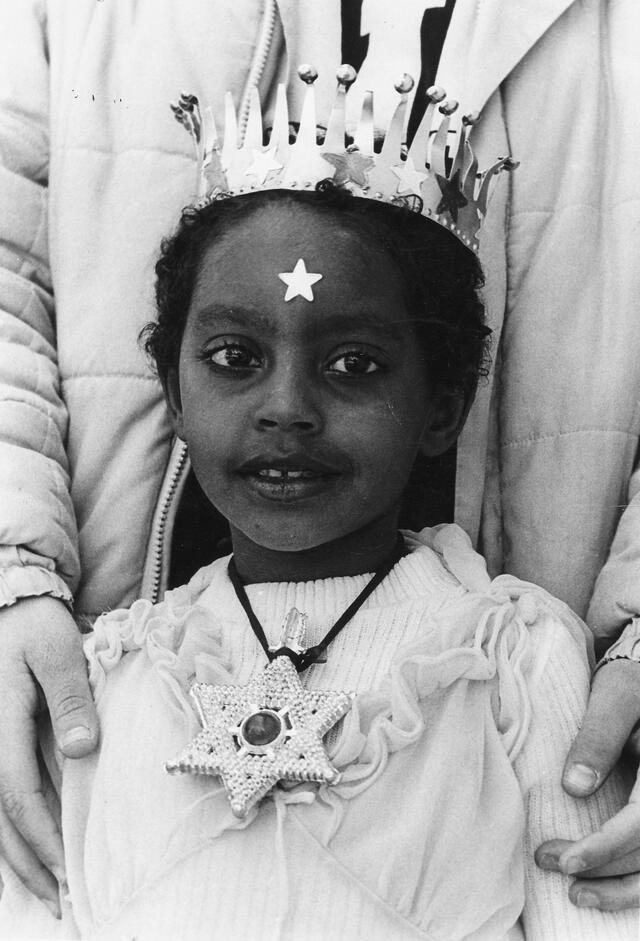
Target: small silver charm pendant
267	731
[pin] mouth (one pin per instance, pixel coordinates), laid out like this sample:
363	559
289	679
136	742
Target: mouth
288	478
275	474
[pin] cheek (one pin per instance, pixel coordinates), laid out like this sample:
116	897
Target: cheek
386	439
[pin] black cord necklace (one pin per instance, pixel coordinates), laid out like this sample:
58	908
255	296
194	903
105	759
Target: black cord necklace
303	659
272	728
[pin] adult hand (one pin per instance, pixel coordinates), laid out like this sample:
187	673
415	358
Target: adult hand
606	863
41	661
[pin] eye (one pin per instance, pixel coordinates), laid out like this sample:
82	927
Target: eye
354	363
232	355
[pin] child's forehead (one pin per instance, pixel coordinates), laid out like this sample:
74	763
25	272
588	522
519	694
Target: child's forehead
316	322
281	224
300	262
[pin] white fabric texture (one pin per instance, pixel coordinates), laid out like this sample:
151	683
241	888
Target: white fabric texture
468	695
93	171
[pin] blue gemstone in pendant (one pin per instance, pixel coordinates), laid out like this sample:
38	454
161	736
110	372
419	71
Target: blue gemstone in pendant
261	728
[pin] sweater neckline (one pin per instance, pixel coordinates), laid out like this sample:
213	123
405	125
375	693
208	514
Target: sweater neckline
419	574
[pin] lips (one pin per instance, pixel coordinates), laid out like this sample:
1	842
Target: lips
288	477
293	466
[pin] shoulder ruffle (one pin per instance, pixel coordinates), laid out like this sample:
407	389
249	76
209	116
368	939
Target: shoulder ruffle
490	635
179	637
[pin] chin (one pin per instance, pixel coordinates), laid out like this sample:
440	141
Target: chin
292	540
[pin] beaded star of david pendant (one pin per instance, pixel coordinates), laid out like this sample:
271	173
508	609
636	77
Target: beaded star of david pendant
268	731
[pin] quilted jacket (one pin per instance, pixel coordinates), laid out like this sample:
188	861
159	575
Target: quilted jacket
94	172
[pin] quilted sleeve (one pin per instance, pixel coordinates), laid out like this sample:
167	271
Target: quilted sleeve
38	550
616	596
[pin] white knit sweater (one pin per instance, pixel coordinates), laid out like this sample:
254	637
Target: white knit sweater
468	695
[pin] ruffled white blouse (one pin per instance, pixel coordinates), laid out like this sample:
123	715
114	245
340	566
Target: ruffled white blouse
468	694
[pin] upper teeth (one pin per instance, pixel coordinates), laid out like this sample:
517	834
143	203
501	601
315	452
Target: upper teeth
281	474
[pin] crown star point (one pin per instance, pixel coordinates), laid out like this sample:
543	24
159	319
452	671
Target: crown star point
263	163
410	180
350	167
452	197
299	281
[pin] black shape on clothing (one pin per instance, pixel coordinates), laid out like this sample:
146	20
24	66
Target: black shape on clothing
433	31
354	46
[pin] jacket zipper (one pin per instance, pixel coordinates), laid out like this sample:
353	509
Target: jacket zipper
260	57
178	464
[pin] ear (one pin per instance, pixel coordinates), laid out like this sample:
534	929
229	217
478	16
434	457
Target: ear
449	410
171	389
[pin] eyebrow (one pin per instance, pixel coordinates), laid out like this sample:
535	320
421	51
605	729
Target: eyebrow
231	314
331	323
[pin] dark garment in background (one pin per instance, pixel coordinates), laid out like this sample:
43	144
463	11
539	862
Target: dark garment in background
201	534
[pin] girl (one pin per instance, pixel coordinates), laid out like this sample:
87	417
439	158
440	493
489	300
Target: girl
379	728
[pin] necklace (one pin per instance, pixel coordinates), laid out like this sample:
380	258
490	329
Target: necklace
271	730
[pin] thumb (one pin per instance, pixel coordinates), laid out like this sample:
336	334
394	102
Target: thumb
60	668
612	711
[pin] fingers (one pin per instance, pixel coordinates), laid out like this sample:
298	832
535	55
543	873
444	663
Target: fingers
59	666
28	867
609	895
38	638
609	888
612	712
548	855
29	838
615	838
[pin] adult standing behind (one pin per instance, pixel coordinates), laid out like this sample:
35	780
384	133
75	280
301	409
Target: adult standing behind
83	127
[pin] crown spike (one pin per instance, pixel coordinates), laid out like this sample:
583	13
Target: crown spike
212	177
469	174
468	120
209	132
485	184
364	135
334	138
307	73
230	131
280	131
253	131
346	76
393	139
405	84
307	133
440	143
439	180
419	148
192	109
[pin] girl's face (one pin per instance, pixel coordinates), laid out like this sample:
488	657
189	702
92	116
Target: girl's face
303	417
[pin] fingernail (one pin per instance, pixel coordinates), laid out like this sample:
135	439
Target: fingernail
573	864
54	908
79	735
586	899
547	861
581	778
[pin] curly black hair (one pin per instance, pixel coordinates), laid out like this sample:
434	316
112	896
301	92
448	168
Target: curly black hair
441	277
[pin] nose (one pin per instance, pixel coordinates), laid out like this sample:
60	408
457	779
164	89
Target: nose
289	402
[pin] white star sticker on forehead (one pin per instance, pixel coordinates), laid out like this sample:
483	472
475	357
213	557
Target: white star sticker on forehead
299	281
